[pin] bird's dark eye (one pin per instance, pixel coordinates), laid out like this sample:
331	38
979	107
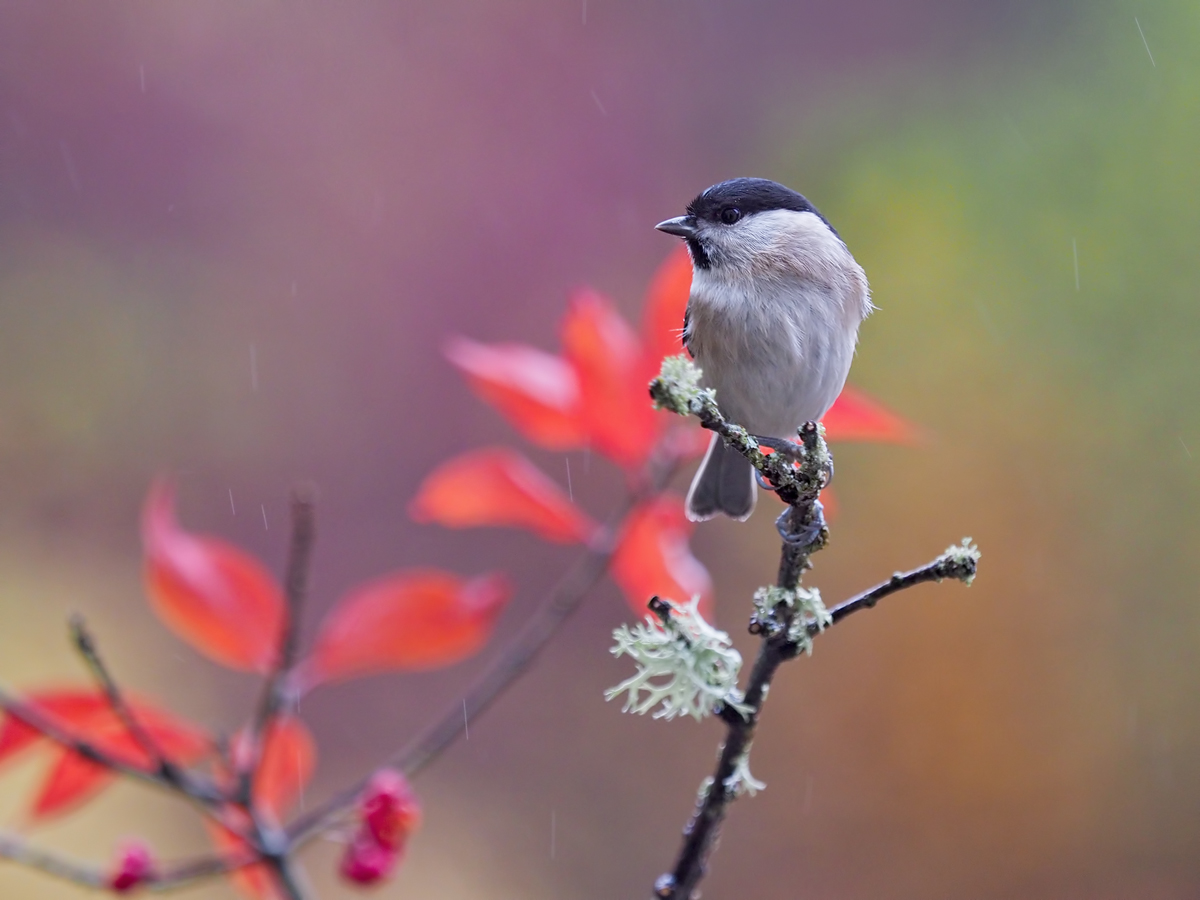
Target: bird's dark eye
730	214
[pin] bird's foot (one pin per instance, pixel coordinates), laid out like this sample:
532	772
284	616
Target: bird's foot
802	533
790	449
793	453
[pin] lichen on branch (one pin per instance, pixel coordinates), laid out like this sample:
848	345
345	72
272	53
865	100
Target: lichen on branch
685	666
796	471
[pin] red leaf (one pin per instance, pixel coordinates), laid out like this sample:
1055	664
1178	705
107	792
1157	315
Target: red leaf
498	486
66	707
689	441
179	740
613	380
537	392
653	557
666	300
214	596
856	417
421	619
72	779
288	759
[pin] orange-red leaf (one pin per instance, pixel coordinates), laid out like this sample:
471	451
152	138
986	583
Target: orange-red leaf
666	300
653	557
420	619
65	707
611	364
217	598
536	391
72	779
689	441
498	486
856	417
288	759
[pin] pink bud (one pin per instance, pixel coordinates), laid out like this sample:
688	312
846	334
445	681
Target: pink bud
367	861
135	866
390	808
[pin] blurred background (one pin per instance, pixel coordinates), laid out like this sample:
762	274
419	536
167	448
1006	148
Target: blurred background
233	237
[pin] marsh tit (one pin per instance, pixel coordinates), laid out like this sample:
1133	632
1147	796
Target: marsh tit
772	320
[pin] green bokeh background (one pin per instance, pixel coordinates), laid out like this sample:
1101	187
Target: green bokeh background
339	187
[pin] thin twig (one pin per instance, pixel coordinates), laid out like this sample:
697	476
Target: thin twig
86	645
288	878
170	877
701	833
957	563
201	792
678	389
20	851
193	786
49	728
202	868
563	599
804	532
296	578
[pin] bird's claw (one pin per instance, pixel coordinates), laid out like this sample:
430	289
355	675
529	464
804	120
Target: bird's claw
806	533
793	451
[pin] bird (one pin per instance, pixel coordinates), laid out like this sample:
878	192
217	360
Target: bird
772	321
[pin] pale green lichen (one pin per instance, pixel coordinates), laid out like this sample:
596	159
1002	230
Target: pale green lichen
677	387
961	561
684	667
820	460
741	781
805	610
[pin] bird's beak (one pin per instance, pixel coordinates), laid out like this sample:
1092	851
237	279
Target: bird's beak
683	226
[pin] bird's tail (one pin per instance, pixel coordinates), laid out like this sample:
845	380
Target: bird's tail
724	483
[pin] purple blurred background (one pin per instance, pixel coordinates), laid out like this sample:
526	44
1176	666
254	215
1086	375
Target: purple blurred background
233	237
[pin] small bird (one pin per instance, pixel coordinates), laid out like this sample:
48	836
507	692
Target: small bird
772	320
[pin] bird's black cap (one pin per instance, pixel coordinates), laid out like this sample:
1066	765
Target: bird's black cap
749	196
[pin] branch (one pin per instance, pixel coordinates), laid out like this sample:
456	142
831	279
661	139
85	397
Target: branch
48	728
787	617
202	868
288	878
564	598
86	645
701	833
678	389
296	578
960	561
20	851
168	878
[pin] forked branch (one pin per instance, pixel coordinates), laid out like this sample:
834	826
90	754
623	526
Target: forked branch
787	617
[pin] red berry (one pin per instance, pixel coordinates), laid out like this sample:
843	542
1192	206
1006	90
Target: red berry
389	808
366	861
135	866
